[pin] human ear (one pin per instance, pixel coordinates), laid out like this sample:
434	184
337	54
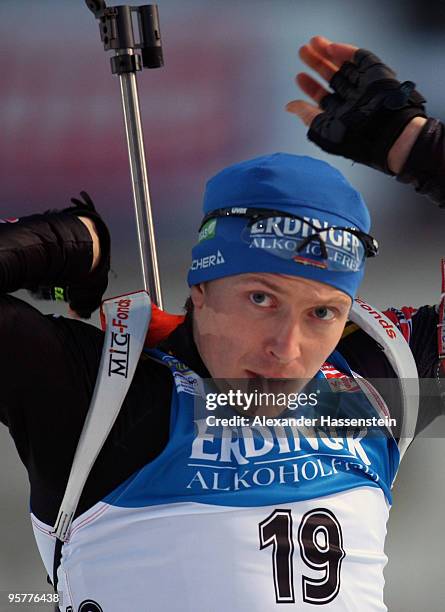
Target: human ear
198	295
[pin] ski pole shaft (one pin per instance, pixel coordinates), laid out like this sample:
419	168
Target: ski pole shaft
116	30
140	185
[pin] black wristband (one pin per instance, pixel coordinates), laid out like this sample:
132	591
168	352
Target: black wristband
425	166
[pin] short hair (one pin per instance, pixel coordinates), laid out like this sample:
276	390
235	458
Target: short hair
188	307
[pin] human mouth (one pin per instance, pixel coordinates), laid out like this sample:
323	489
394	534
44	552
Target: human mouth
252	374
266	376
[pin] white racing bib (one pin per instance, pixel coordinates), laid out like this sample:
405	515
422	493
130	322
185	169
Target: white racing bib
225	521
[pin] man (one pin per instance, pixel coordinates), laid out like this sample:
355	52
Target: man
178	517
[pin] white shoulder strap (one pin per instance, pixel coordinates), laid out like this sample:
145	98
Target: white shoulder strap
127	320
399	354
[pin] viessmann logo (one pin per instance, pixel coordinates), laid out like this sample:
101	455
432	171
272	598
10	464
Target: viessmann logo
120	341
207	262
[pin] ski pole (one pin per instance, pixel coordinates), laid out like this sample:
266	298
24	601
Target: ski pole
116	32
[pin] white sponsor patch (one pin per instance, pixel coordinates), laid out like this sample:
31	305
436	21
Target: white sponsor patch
186	383
186	380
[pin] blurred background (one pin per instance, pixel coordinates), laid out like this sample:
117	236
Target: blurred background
229	70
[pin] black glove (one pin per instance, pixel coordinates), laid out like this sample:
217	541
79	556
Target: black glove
85	295
367	113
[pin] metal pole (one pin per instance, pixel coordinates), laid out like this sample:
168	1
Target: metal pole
140	185
116	32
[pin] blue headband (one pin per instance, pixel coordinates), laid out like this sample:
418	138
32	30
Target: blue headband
293	184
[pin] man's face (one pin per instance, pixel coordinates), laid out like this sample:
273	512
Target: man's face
267	325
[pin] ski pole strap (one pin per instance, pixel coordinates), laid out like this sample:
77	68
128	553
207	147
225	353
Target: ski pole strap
127	319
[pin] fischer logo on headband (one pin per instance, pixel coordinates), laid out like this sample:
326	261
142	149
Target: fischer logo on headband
215	259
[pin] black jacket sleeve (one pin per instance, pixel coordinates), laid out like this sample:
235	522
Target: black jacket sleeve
42	249
48	370
425	166
49	367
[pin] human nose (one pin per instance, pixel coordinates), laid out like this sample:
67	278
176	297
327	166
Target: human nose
284	343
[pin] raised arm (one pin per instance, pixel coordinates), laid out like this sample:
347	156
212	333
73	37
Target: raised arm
49	364
59	254
368	116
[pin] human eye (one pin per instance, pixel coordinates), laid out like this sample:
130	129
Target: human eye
259	298
324	313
